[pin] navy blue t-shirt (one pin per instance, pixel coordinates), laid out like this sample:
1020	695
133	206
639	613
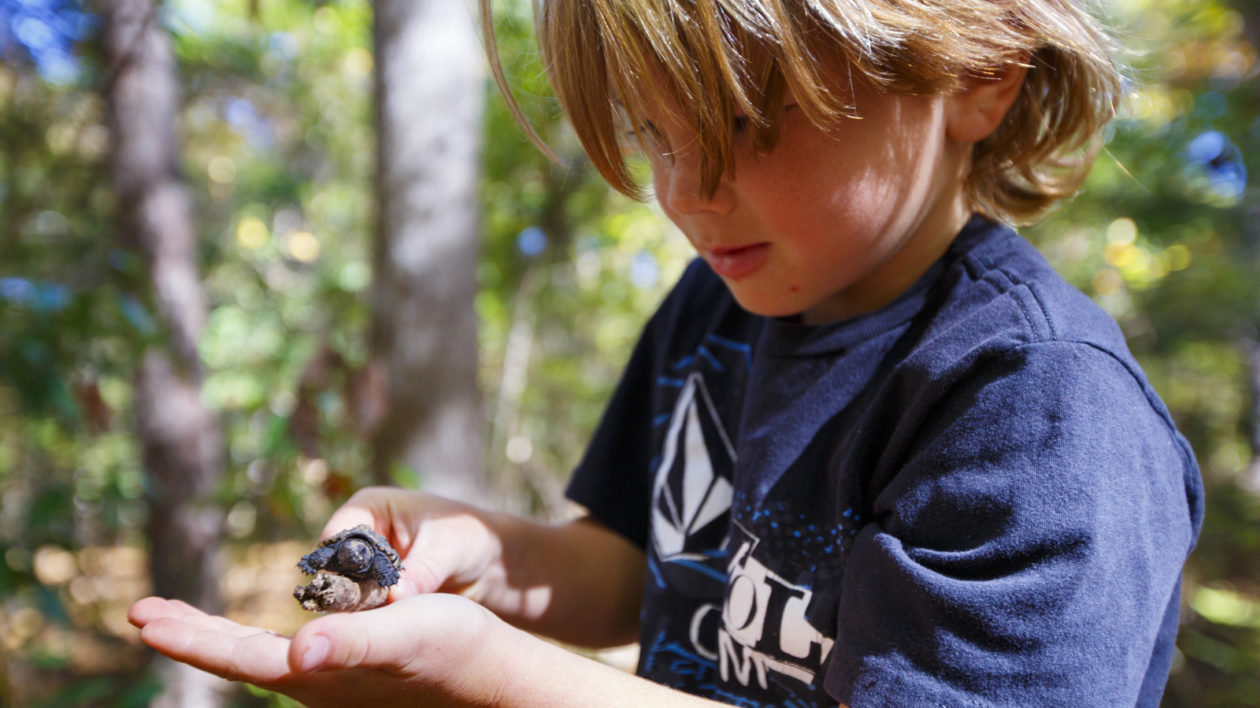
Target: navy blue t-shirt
972	496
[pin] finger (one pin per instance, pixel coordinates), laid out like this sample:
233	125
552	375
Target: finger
432	535
391	638
404	588
154	608
221	647
427	572
151	608
146	610
368	506
451	552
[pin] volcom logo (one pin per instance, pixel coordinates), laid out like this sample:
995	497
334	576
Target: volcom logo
689	493
763	628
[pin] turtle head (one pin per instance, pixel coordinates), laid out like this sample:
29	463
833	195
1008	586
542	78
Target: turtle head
354	555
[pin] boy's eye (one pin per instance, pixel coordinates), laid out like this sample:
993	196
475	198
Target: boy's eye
655	138
648	133
741	123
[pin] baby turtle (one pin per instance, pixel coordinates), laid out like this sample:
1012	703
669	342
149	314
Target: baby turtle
329	592
358	553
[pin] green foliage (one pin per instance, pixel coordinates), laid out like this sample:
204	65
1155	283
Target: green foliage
276	141
574	308
72	322
109	690
278	146
271	699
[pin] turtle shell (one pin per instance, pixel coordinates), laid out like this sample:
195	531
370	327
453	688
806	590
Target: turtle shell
359	553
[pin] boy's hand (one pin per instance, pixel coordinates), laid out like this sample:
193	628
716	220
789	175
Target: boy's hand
428	650
431	650
577	582
444	545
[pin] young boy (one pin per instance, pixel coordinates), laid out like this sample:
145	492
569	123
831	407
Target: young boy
871	450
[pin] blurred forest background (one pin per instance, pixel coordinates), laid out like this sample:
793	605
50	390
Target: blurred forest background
221	313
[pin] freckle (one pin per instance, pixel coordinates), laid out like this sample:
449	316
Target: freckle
795	288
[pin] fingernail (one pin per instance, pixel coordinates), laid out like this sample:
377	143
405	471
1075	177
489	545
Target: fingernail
404	588
315	654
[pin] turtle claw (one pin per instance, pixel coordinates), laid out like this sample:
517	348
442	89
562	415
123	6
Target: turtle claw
385	572
312	562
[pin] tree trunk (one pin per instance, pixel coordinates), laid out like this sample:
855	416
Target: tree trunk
1251	420
429	99
182	448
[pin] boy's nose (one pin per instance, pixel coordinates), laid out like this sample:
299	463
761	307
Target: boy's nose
678	186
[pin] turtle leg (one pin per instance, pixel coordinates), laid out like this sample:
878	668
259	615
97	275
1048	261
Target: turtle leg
312	562
385	572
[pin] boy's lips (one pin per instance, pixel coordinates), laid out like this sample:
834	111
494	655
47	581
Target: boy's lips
736	263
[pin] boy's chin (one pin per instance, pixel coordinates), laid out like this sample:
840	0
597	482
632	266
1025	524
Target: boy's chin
767	308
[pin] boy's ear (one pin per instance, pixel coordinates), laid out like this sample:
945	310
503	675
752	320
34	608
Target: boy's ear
975	110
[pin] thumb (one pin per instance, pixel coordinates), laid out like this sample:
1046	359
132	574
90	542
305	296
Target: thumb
393	637
347	641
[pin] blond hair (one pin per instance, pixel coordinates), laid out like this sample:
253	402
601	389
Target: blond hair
612	62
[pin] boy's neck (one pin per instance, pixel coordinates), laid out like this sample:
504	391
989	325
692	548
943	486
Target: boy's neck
900	271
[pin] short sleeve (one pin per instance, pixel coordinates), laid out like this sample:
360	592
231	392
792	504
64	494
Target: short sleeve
1026	548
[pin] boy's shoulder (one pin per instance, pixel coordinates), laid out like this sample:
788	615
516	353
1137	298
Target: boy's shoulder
999	292
1004	309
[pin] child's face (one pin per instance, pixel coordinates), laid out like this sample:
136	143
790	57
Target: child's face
828	224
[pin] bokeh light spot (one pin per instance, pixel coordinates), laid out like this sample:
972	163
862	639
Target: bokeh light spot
1225	606
1120	255
1108	282
326	20
1122	231
519	449
1178	257
221	169
531	241
54	565
644	270
251	233
303	246
358	62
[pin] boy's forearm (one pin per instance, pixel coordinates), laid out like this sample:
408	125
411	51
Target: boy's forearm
579	582
535	673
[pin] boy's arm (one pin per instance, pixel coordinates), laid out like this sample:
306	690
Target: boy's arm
436	649
579	582
551	676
